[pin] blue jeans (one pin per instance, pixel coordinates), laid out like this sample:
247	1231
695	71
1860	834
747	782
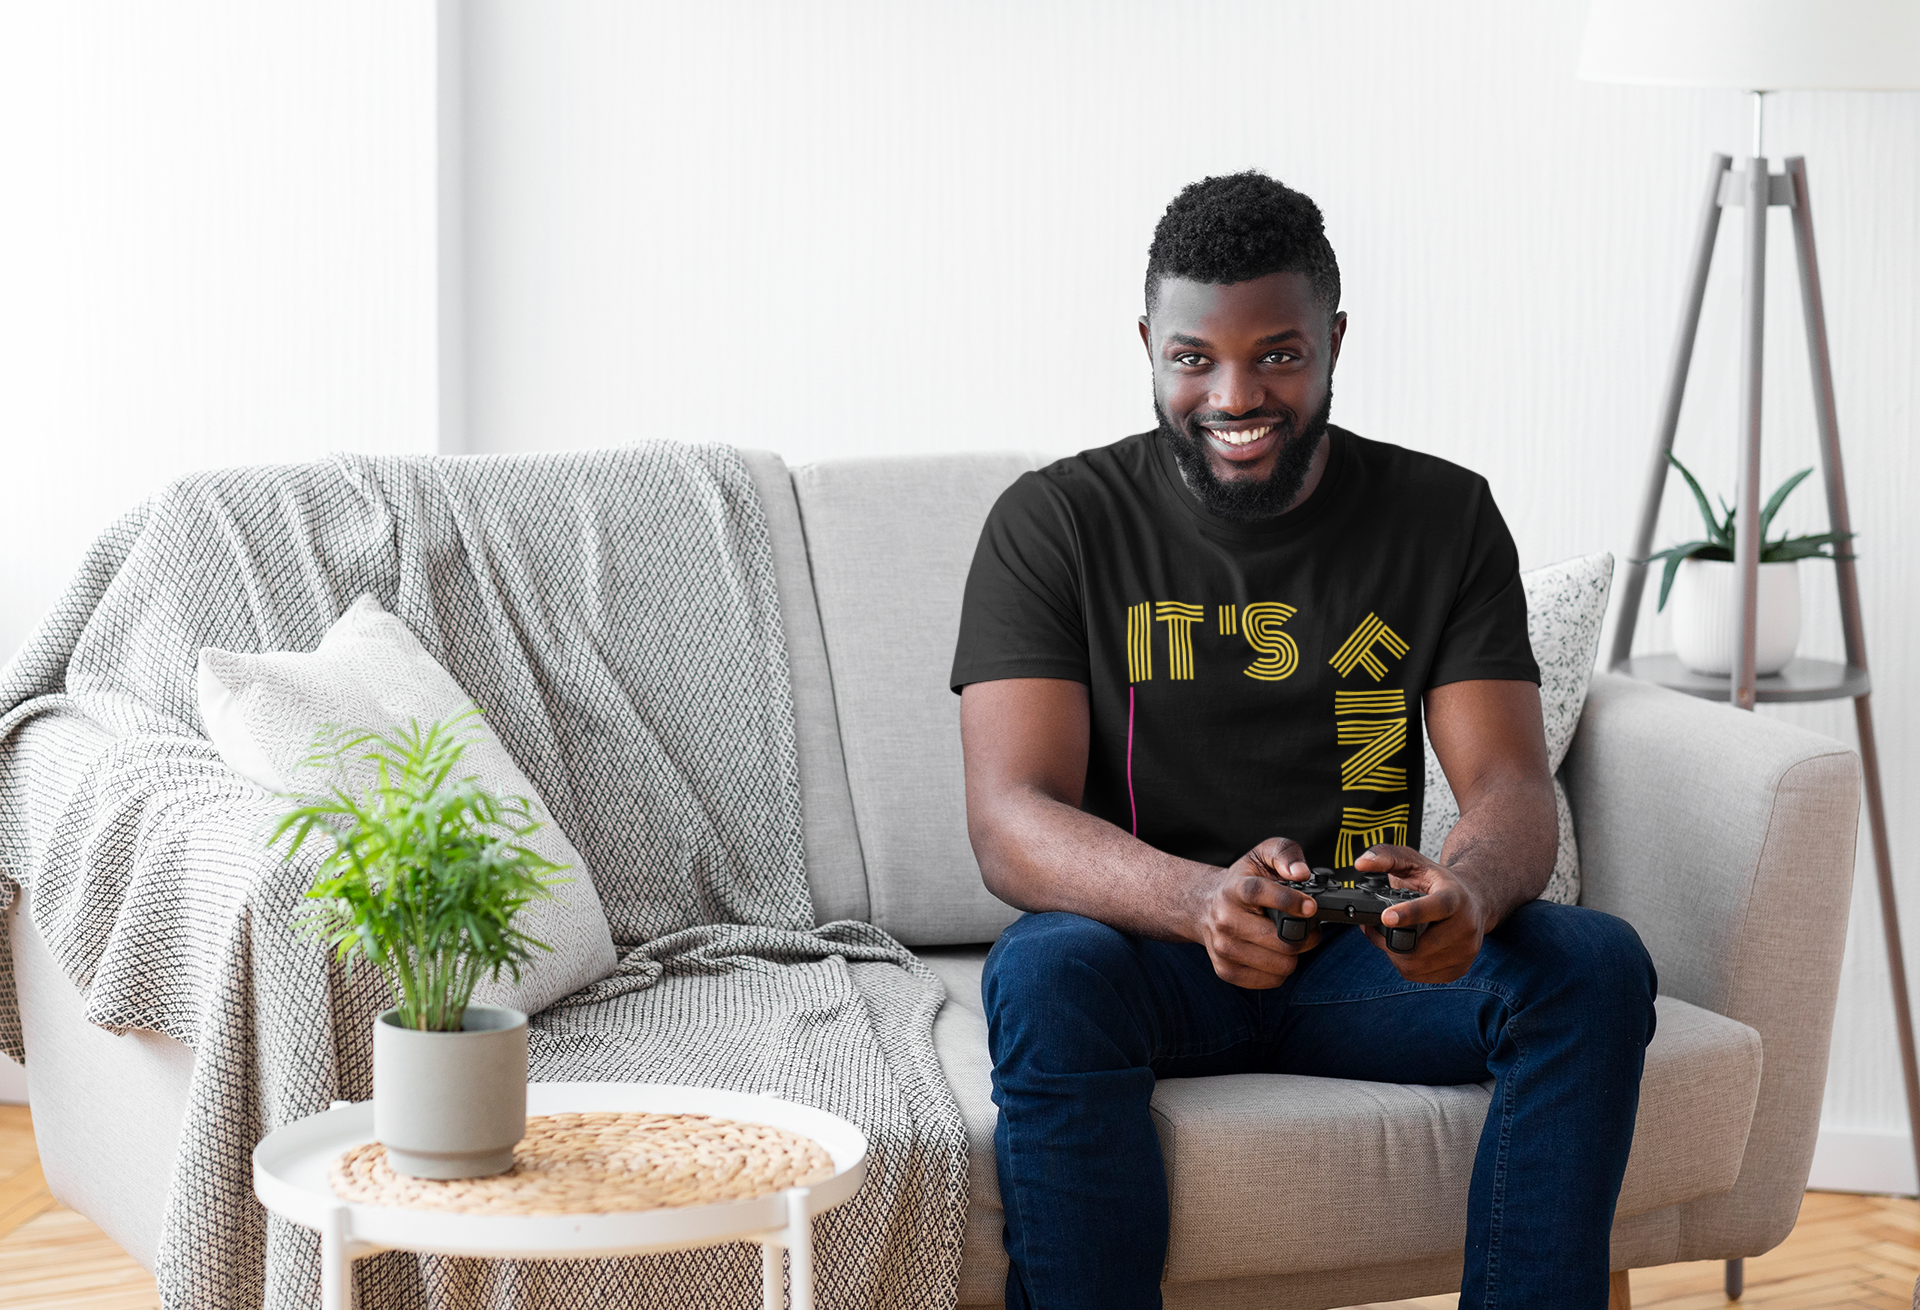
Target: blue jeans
1082	1019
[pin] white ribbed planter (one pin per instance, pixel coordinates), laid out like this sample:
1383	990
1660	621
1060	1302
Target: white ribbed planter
451	1105
1705	595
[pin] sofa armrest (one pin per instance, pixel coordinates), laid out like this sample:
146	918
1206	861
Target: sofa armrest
1727	840
156	880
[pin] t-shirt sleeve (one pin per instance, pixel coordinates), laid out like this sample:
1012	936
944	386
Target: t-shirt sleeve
1486	631
1022	616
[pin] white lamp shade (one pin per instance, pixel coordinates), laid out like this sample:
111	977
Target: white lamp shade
1755	45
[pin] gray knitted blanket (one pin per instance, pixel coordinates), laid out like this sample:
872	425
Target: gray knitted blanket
614	614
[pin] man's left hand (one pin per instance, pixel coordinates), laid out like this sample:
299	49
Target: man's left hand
1457	914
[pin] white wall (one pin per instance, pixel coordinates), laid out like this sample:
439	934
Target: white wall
218	248
218	245
857	227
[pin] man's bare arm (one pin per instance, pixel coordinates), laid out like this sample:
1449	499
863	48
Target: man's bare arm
1025	741
1488	738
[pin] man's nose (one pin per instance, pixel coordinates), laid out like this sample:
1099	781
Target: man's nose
1236	391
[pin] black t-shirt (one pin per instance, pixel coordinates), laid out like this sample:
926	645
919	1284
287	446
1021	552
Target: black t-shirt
1249	681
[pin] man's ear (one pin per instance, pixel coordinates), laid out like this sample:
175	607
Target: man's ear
1336	333
1146	336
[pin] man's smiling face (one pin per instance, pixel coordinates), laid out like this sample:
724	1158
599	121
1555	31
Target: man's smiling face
1243	383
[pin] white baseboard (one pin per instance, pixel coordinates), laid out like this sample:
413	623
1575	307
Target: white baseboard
13	1083
1849	1160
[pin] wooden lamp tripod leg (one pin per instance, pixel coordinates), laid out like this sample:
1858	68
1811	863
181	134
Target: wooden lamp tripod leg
1848	584
1746	559
1634	584
1753	349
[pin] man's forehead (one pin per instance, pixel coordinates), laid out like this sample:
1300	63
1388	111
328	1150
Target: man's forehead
1275	306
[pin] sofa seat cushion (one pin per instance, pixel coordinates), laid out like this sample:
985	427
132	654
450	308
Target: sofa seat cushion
1250	1156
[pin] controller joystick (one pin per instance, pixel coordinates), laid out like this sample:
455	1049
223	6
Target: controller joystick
1350	897
1297	930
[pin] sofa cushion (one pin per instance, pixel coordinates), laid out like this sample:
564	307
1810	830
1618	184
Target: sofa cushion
370	672
960	1039
890	541
835	874
1566	603
1384	1156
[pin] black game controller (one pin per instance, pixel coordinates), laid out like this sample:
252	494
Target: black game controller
1350	897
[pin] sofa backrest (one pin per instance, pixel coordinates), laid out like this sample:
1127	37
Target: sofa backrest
835	872
890	541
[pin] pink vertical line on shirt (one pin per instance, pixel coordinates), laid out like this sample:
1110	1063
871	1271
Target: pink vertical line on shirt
1130	801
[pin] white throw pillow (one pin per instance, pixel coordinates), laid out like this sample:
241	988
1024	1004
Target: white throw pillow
371	672
1565	605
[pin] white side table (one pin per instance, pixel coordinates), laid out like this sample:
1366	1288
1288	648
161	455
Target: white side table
290	1178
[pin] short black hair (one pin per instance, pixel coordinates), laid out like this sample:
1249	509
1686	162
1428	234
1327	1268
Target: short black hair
1239	227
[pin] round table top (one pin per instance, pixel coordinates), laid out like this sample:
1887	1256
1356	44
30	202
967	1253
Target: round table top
290	1177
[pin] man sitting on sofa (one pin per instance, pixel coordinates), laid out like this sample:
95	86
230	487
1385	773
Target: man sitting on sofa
1193	665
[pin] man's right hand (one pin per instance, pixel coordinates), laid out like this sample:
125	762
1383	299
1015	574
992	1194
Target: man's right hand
1230	914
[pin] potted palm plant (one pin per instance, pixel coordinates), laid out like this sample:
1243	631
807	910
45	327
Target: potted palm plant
426	874
1705	585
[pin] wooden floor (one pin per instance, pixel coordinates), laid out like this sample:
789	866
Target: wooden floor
1846	1253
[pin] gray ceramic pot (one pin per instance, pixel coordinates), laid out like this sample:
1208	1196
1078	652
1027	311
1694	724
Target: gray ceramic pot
451	1105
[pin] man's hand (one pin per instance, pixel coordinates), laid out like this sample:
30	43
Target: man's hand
1230	915
1458	916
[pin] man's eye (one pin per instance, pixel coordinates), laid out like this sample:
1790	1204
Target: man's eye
1281	357
1189	360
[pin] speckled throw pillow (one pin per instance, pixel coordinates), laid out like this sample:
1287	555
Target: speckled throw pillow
1565	604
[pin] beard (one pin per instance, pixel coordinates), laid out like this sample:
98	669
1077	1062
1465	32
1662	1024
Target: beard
1247	500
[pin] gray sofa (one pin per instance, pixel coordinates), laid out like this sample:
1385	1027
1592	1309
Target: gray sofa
1726	839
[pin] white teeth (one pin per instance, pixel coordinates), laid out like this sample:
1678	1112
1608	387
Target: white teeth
1243	438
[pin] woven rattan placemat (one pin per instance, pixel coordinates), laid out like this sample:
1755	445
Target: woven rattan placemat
602	1164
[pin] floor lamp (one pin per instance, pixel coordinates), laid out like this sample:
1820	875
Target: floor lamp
1761	46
